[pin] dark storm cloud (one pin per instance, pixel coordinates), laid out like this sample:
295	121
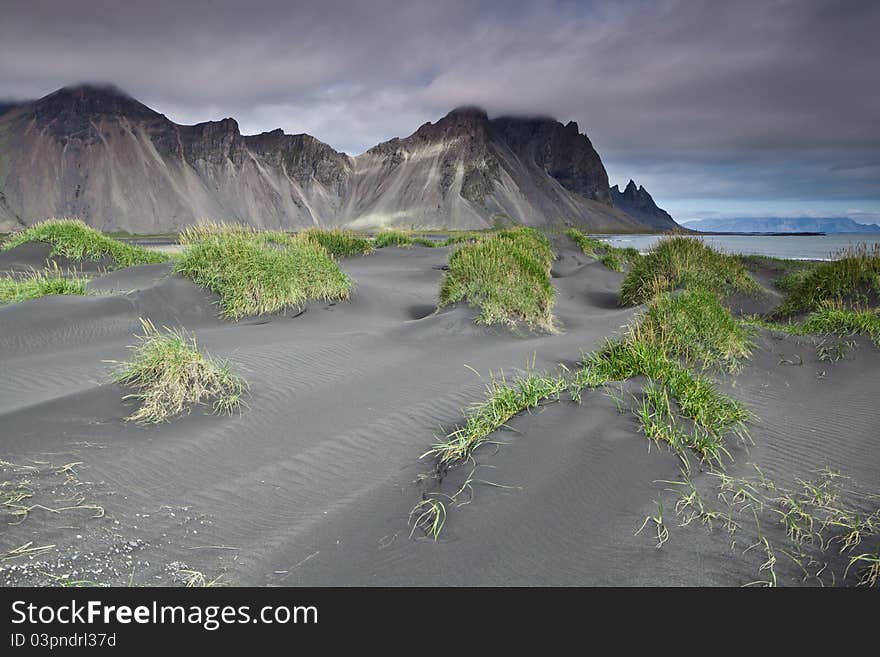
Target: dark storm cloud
696	99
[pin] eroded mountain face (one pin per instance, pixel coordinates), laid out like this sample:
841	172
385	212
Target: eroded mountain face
96	153
558	150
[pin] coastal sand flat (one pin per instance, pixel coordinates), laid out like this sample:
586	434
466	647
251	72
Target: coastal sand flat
314	482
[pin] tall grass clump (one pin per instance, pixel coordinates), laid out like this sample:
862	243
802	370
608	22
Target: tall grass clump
254	277
340	243
853	279
170	376
392	238
39	284
612	257
694	326
203	230
531	240
507	277
614	260
838	320
73	239
684	262
792	280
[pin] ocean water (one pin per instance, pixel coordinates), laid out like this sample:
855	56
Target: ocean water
795	247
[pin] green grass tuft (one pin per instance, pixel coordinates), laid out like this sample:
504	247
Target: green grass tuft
610	256
405	239
657	416
589	245
789	273
830	319
792	280
339	243
507	276
853	280
460	238
73	239
254	277
503	401
841	321
203	230
429	515
612	260
688	263
392	238
170	376
711	411
529	239
694	326
39	284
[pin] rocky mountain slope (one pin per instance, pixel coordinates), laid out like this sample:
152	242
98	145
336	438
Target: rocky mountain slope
96	153
639	204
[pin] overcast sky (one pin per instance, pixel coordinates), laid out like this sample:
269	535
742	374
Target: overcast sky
717	108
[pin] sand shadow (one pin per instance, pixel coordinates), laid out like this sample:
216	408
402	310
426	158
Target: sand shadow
603	300
421	310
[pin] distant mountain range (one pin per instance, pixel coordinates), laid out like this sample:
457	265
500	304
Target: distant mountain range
99	154
782	225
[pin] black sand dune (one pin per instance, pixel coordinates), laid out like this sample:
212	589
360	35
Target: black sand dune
36	255
314	482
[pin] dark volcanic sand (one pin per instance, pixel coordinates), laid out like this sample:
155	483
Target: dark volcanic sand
314	483
36	255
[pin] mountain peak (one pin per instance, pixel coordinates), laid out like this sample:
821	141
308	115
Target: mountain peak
466	118
96	97
469	122
81	103
84	89
638	203
469	111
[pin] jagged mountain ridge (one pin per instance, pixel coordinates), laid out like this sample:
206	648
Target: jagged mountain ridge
97	153
638	203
